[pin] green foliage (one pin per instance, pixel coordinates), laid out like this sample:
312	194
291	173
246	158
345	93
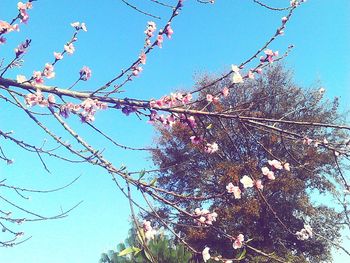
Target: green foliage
162	249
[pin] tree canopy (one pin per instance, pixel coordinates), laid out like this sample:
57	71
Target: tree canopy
266	215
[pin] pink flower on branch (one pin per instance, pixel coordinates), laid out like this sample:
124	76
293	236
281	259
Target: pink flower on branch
211	147
57	55
69	48
238	243
85	73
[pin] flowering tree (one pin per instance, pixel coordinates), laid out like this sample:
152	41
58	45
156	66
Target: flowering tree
189	109
225	182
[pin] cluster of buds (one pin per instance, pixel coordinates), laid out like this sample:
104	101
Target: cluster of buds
151	27
148	229
304	233
205	217
22	48
38	98
295	3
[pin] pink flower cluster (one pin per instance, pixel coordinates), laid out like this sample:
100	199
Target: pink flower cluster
275	165
247	182
304	233
38	76
23	10
269	56
5	28
205	217
174	99
38	98
151	27
234	189
148	229
87	109
49	71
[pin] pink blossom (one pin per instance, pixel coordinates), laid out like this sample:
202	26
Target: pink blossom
234	189
137	71
69	48
187	98
23	11
211	148
284	19
149	231
238	243
159	40
36	99
51	99
230	187
37	76
258	184
151	27
270	174
143	58
48	71
236	77
85	73
169	31
21	78
247	181
205	254
250	74
83	27
58	56
265	170
225	91
79	26
209	97
286	167
258	70
197	211
276	164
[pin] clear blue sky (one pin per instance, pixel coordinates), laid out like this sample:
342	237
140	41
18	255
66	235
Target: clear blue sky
207	38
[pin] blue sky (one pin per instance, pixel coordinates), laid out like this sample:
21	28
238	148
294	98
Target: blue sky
207	38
